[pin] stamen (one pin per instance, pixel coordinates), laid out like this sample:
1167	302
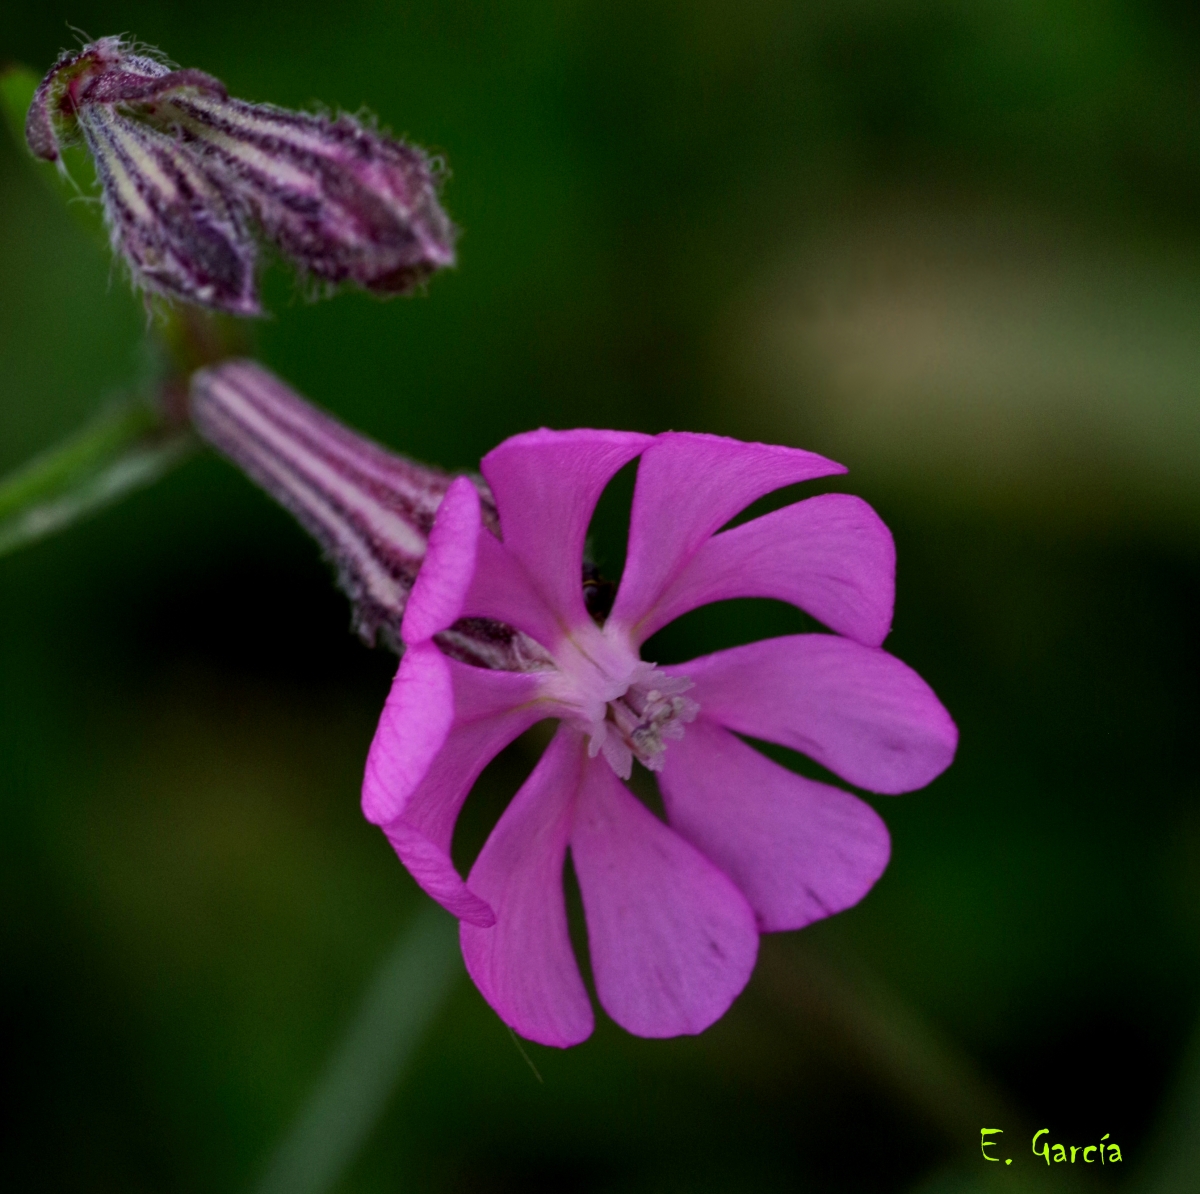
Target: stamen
652	712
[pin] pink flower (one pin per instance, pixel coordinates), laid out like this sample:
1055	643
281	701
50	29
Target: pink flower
673	910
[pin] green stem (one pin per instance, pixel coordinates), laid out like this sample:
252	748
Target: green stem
840	1004
403	998
17	85
135	441
124	448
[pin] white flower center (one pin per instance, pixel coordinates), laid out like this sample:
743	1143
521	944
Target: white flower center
641	723
628	708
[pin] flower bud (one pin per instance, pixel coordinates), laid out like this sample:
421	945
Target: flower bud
169	214
190	177
341	200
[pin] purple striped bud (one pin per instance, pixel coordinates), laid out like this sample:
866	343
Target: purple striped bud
169	214
191	176
343	201
370	509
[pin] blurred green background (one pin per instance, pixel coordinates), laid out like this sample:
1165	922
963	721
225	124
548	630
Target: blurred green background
955	246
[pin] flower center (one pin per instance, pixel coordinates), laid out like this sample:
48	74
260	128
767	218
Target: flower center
628	708
639	724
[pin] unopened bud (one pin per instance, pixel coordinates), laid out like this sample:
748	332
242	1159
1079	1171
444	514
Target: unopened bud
169	214
343	201
190	177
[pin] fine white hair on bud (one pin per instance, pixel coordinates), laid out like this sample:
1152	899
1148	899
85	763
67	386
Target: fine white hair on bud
181	232
370	510
339	199
170	215
192	179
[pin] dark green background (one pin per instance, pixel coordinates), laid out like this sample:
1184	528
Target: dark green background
955	246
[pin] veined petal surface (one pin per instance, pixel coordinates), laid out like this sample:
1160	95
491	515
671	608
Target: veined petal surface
546	485
501	589
798	850
830	556
437	595
524	965
491	708
416	718
672	940
856	710
688	487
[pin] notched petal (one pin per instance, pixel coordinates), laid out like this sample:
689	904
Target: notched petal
445	576
416	719
831	556
673	941
797	849
688	486
857	710
525	966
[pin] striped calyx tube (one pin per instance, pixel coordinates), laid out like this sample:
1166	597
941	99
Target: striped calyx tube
370	509
192	180
337	198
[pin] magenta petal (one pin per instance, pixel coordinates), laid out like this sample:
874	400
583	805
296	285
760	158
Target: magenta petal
672	940
797	850
688	487
524	966
432	868
445	575
490	709
412	727
830	555
857	710
546	485
502	590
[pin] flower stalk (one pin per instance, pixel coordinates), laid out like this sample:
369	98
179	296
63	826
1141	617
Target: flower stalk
125	447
